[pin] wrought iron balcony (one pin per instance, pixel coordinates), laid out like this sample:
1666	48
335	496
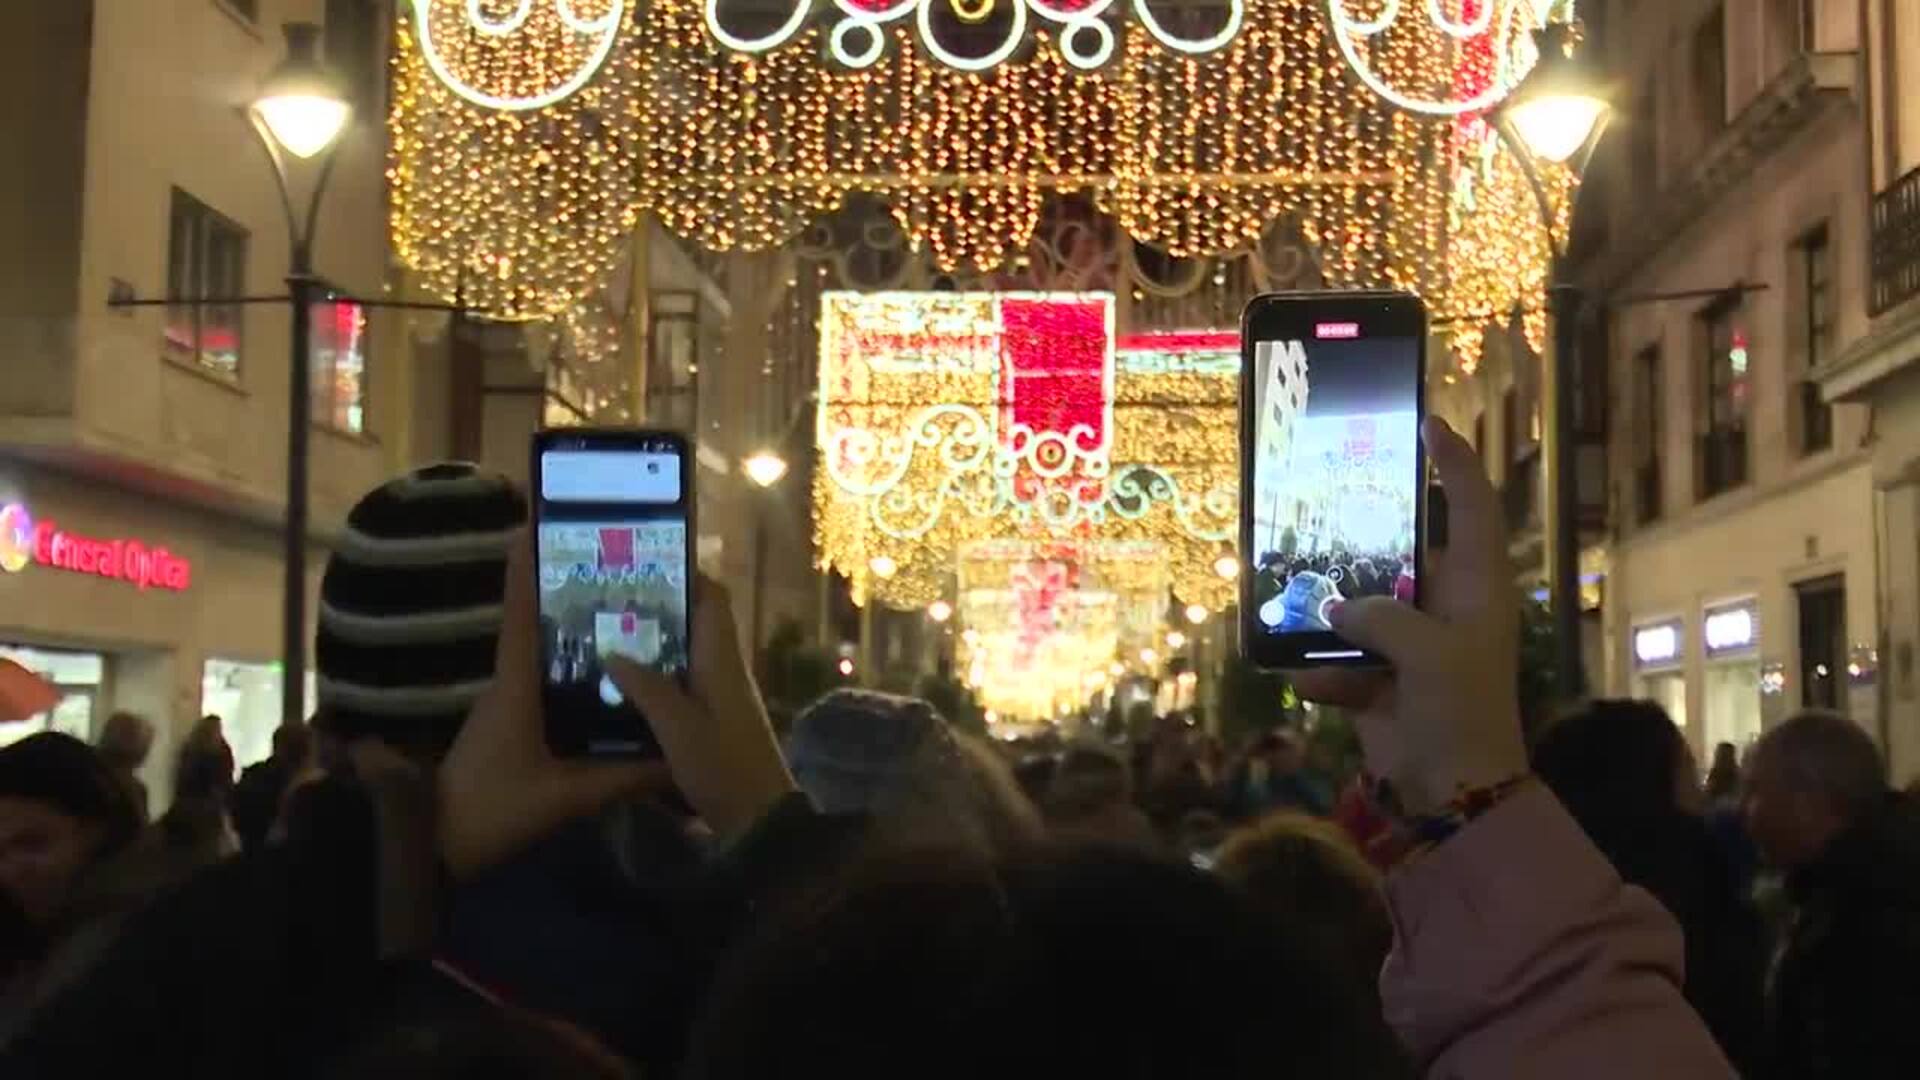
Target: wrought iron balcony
1895	245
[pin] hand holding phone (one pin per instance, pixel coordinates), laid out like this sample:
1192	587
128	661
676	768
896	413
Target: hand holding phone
1447	716
614	552
1332	468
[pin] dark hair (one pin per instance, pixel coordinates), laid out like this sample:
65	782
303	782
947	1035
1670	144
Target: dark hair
1723	776
962	966
1614	765
1614	759
292	742
68	775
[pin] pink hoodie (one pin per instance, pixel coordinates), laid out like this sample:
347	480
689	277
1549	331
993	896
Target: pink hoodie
1519	953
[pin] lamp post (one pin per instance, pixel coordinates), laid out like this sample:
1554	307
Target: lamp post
1557	115
299	114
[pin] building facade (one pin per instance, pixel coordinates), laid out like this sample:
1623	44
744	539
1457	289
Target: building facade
1730	210
142	449
1880	369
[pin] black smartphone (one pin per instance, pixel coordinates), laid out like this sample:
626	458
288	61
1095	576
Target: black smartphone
613	553
1332	470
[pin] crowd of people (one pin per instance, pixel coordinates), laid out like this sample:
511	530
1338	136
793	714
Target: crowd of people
417	887
1292	592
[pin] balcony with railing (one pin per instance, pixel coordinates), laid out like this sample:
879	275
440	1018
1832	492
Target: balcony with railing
1722	460
1895	245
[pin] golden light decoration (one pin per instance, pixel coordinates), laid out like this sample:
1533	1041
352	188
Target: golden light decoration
522	212
949	419
1044	615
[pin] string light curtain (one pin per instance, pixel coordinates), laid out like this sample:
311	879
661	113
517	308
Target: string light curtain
516	203
950	419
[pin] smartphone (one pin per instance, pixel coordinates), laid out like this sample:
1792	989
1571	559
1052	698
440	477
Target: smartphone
613	552
1332	470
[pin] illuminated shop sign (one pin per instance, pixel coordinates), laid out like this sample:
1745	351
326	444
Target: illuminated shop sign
1731	629
1658	645
24	541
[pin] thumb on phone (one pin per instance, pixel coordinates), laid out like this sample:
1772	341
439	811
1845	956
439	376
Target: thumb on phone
1385	626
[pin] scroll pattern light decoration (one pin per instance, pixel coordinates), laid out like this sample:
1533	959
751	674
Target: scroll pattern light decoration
949	418
517	55
1494	36
859	36
519	211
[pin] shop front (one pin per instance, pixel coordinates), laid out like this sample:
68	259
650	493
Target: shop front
1659	651
1733	690
128	602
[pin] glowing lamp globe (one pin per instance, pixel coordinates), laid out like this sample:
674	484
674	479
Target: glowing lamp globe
301	105
1175	639
1559	109
765	468
1197	613
883	566
1227	567
939	611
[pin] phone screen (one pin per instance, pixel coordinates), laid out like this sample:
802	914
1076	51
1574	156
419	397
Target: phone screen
1332	404
614	579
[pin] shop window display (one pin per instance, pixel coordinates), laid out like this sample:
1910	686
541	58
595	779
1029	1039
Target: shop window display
77	676
246	698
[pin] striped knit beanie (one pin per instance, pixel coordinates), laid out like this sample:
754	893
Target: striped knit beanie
410	606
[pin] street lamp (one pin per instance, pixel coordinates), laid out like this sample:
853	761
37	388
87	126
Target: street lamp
1197	613
1227	567
939	611
765	468
1176	640
299	113
1557	115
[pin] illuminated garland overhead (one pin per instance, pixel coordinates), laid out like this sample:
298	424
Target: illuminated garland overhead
520	210
858	37
947	419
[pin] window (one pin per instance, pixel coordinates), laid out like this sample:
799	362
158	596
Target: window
673	359
1648	402
1814	273
1823	641
340	366
1723	443
206	272
1709	69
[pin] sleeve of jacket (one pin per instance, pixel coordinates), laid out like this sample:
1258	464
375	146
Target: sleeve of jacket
248	966
1519	953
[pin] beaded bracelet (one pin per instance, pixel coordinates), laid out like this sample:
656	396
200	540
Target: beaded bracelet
1424	832
1430	830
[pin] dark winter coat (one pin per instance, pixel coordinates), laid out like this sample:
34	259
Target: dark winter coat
1845	993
